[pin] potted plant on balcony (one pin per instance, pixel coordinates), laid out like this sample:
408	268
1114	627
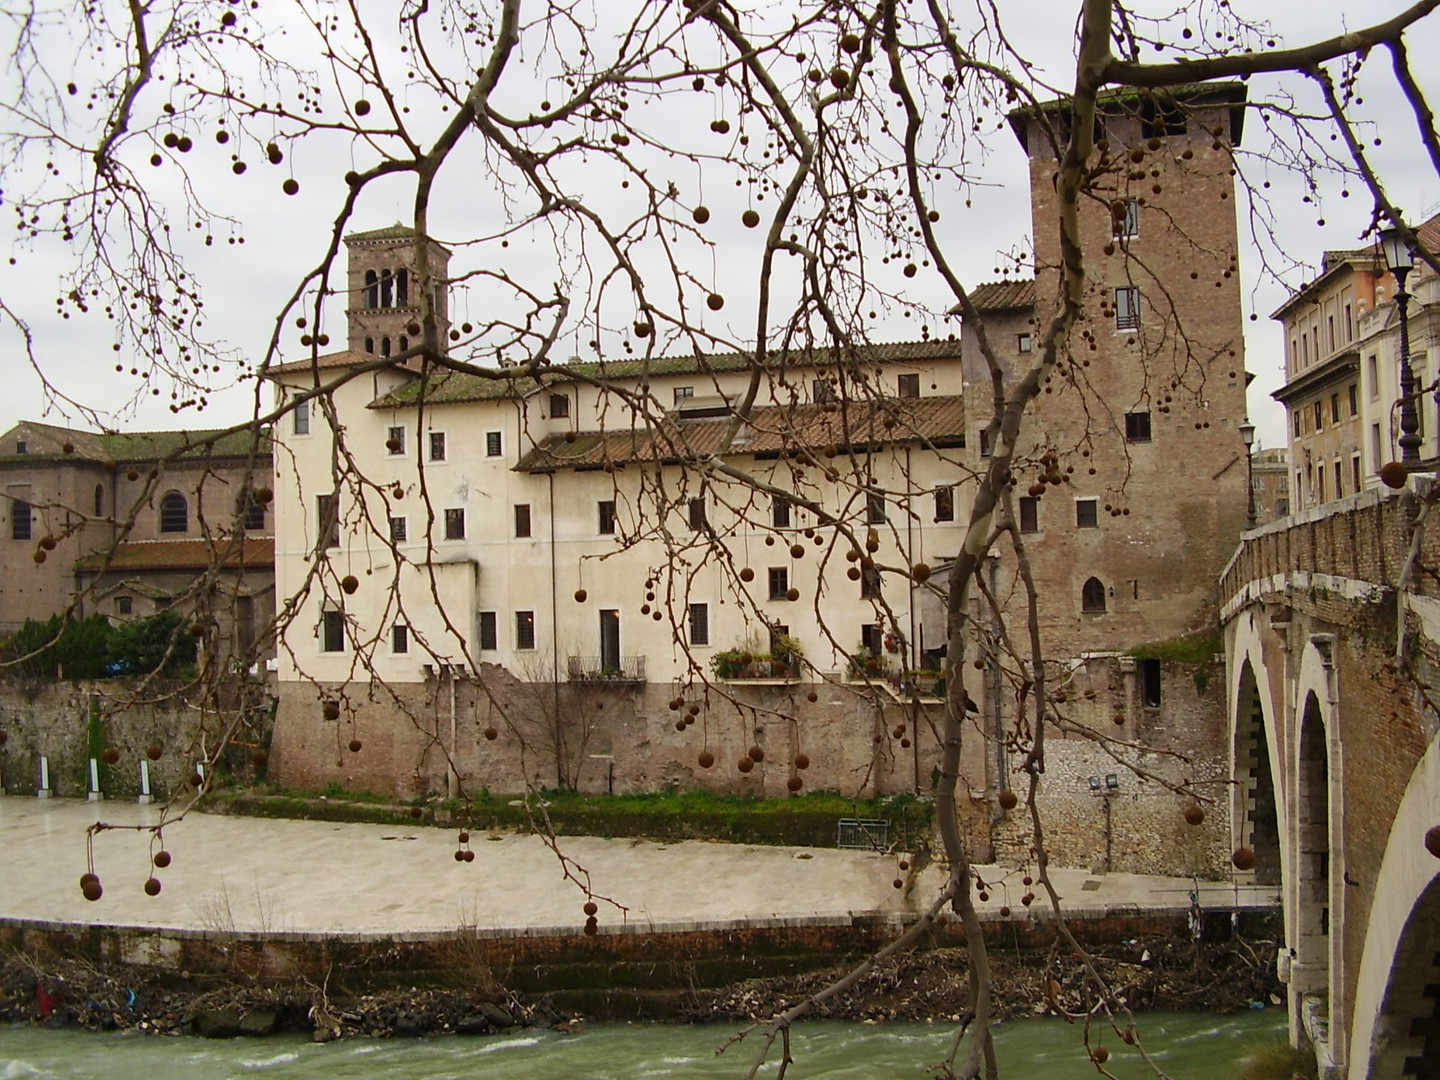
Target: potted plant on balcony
864	662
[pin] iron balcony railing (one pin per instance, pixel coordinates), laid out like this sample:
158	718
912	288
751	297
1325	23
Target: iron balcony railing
599	669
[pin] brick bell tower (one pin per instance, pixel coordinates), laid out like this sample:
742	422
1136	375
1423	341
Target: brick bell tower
386	286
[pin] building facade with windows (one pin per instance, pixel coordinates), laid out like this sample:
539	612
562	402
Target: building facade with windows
1342	369
503	574
127	524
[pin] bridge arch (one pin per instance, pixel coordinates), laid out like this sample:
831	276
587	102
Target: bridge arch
1257	749
1315	891
1394	1013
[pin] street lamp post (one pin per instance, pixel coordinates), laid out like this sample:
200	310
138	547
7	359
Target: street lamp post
1247	436
1399	258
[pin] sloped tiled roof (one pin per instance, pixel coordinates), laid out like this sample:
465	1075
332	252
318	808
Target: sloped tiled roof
345	358
48	442
255	553
457	386
938	420
1003	295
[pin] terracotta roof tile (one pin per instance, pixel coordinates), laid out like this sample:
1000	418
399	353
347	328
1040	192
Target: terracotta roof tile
47	442
1003	295
937	420
253	553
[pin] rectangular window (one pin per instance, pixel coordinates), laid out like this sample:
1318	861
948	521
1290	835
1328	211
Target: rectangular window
559	406
1023	343
821	391
1330	319
985	442
779	582
395	442
1372	376
869	582
606	512
1320	484
1335	408
333	631
1029	514
437	446
1127	308
699	624
1355	472
697	513
124	605
489	635
19	519
327	521
1377	448
522	519
945	504
399	530
1137	426
1296	416
455	523
1319	416
399	639
1087	514
780	512
1353	393
1127	218
1150	683
1349	325
874	508
683	393
300	418
872	638
494	446
1339	480
907	386
524	629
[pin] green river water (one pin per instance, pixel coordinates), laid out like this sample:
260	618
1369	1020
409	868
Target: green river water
1186	1046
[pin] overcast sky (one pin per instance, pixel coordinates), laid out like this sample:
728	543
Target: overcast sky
246	284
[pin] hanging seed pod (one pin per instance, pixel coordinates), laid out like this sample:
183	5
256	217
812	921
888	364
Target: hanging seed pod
355	745
700	215
706	759
592	926
1432	840
794	783
797	551
1005	911
756	754
812	696
331	710
1243	858
750	219
349	583
1099	1055
1194	815
91	889
152	886
580	596
792	594
153	752
899	883
920	572
802	761
469	855
459	854
161	859
1008	800
111	756
746	574
745	764
491	734
715	301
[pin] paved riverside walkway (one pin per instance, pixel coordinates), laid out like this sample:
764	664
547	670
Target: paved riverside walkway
236	874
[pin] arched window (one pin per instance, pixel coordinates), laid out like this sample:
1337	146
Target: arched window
404	342
251	512
372	290
174	514
402	287
387	289
370	345
385	346
1092	596
99	499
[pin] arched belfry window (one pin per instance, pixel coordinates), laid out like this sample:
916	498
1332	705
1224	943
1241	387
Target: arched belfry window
402	287
387	289
372	289
404	343
385	346
370	345
1092	596
174	513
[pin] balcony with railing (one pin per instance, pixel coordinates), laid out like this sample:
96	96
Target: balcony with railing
607	670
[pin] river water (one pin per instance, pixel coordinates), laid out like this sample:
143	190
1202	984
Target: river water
1186	1046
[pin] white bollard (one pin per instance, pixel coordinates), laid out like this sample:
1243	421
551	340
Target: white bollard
44	792
94	794
146	798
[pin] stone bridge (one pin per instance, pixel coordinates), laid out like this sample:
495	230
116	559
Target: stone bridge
1332	640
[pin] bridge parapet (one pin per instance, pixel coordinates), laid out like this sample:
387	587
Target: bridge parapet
1356	547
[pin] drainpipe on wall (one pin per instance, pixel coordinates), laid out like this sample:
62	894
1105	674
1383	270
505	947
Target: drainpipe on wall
452	779
554	632
992	689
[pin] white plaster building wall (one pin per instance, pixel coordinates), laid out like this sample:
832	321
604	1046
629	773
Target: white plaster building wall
494	571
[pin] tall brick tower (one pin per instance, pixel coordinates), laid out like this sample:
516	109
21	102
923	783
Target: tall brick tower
1144	411
386	283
